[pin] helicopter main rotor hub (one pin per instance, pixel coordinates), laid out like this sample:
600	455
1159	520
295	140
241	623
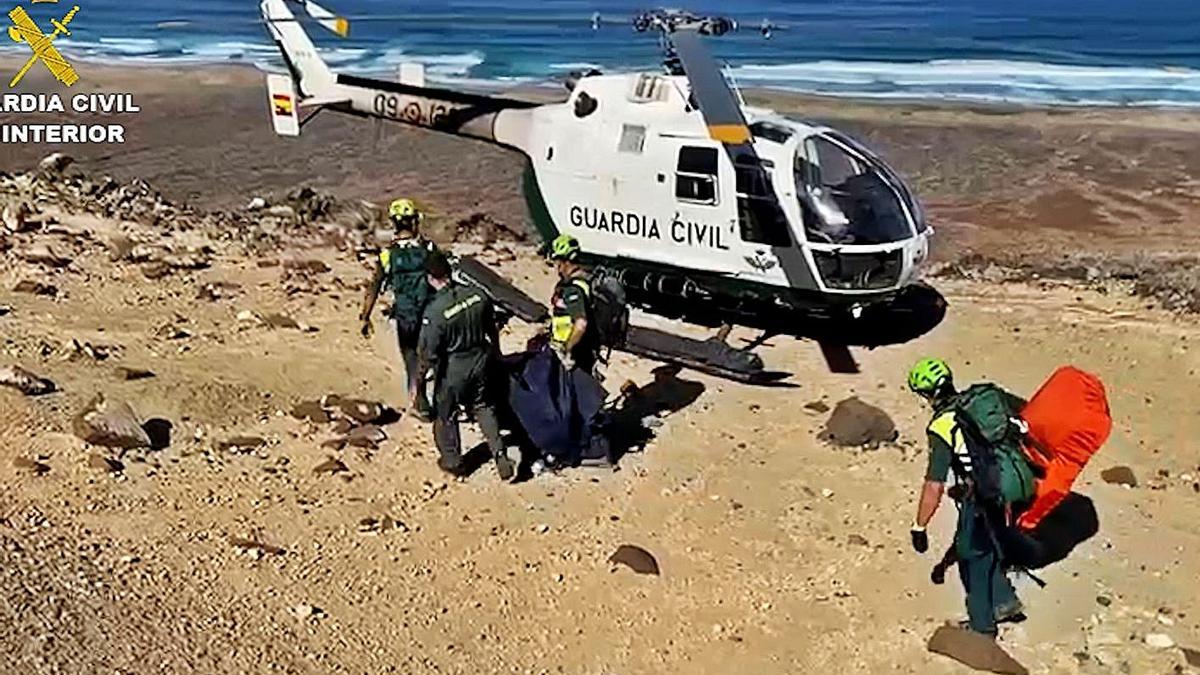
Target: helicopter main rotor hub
669	21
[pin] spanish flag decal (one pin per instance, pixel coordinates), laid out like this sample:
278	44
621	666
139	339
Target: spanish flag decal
283	105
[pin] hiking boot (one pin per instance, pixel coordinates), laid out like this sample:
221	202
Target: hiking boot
451	465
506	468
1011	613
964	624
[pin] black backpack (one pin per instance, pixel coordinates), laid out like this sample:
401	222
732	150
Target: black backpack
610	310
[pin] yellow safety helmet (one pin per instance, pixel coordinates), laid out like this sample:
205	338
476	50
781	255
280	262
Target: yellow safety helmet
404	211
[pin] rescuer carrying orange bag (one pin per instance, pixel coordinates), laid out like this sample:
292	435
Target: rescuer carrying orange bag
1069	421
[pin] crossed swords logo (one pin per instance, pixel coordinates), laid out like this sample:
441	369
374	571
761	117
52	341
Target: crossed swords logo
24	29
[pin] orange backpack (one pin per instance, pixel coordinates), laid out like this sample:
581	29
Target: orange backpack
1069	421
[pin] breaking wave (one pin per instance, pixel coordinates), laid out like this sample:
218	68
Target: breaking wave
983	80
1005	81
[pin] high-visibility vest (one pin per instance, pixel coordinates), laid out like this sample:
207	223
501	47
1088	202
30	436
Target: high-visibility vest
561	323
945	427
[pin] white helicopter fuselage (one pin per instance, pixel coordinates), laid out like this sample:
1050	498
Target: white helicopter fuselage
641	178
629	166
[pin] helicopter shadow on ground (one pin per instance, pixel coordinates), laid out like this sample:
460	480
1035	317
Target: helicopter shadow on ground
915	312
665	395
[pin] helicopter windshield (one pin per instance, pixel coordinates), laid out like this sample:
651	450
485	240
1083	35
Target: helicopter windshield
847	195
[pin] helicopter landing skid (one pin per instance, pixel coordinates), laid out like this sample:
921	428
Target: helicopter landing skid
711	356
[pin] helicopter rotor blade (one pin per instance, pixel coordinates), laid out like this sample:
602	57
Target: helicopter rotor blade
720	106
339	25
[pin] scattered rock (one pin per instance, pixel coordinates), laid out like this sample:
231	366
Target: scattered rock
331	466
128	374
157	270
5	310
818	407
857	540
120	247
95	352
107	464
1103	601
367	436
1119	475
1159	641
284	322
363	412
16	217
311	266
635	558
305	612
52	166
312	411
256	204
218	290
35	287
44	254
35	467
25	382
857	424
255	545
110	424
974	651
241	444
372	525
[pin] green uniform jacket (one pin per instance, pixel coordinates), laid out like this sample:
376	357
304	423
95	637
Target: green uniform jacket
458	328
403	264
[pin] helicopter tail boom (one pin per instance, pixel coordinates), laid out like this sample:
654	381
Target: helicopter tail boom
314	85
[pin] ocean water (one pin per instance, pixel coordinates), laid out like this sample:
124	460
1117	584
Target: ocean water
1079	52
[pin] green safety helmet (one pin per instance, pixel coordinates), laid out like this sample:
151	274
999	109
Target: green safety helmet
564	247
404	210
928	376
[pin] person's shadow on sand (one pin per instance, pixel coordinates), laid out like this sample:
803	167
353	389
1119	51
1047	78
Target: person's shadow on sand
667	394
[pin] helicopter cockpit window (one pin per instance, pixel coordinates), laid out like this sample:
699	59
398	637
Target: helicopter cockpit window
696	175
761	220
847	197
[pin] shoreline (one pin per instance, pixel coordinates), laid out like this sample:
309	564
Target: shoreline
997	180
773	92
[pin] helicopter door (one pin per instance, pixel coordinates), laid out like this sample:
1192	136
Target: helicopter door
762	224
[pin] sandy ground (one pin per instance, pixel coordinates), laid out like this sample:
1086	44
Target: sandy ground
758	526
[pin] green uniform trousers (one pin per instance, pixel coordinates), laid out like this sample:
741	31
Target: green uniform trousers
989	592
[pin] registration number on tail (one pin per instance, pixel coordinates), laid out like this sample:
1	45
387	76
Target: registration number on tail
410	110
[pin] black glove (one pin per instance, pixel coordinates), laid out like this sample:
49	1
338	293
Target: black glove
938	575
920	541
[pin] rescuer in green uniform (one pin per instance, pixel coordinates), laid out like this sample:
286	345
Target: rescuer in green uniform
991	598
571	336
401	267
459	342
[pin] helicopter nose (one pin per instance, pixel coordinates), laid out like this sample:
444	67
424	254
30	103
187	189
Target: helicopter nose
14	34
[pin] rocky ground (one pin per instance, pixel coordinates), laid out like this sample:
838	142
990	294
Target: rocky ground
282	520
271	511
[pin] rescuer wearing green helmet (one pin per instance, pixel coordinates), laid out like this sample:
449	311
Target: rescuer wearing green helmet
401	267
570	307
990	596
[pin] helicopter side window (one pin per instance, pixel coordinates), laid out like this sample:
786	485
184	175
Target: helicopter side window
761	220
696	175
633	139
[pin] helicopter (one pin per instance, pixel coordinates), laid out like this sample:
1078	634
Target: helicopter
703	208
